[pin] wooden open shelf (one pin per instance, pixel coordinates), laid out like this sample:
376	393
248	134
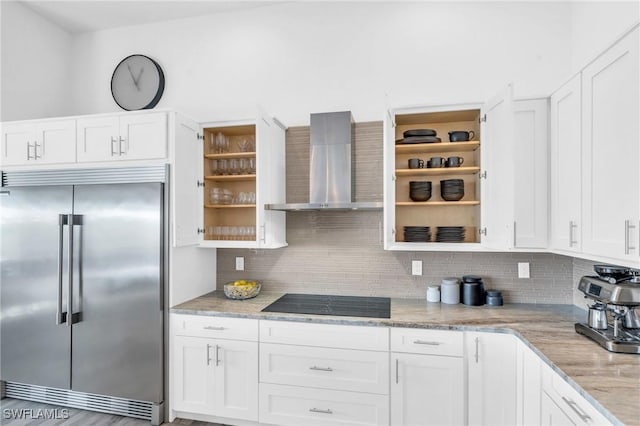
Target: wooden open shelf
230	178
227	155
440	147
438	171
436	203
229	206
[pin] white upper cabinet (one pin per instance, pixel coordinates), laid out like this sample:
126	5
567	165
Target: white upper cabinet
566	177
531	178
38	142
611	152
124	137
497	176
246	168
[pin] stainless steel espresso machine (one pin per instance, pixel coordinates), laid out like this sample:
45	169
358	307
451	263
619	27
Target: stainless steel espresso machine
613	321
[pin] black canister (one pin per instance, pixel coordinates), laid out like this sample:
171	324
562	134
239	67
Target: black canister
472	290
494	298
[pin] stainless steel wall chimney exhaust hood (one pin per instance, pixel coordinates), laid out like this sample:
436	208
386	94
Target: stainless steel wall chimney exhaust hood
331	172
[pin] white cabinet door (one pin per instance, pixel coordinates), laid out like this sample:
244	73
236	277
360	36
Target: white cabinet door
497	187
529	379
611	152
215	377
185	175
566	169
98	139
270	183
389	184
193	376
236	379
427	390
18	144
143	136
531	174
55	142
491	367
552	415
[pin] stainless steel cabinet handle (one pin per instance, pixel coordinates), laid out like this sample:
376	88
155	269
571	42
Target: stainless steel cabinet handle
574	406
28	151
113	142
317	410
36	145
320	368
397	374
217	355
477	344
208	356
426	342
211	327
572	225
62	220
263	233
515	234
123	141
627	245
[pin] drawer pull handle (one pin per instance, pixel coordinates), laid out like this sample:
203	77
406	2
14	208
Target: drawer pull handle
208	356
426	342
317	410
320	368
211	327
574	406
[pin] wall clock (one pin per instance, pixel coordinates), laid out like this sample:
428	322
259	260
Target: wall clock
137	83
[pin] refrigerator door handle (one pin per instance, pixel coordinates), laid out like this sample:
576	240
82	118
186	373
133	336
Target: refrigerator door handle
73	220
62	221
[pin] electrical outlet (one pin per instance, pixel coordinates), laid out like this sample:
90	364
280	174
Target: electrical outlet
239	263
523	270
416	267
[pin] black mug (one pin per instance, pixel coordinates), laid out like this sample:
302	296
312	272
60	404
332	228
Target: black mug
454	161
461	135
416	163
436	162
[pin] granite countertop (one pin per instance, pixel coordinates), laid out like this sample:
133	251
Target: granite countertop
609	380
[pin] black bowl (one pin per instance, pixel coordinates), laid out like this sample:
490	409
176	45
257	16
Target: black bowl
420	196
450	197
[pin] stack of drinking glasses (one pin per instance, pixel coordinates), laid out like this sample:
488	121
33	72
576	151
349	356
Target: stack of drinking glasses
221	196
219	143
231	233
245	198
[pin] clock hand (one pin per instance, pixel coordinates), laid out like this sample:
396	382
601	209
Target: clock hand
132	77
139	74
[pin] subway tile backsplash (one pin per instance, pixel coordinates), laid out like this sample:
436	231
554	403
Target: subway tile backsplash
342	252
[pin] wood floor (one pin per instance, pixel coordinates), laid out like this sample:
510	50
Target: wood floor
76	417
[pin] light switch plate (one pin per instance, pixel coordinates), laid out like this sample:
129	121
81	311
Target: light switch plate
239	263
523	270
416	267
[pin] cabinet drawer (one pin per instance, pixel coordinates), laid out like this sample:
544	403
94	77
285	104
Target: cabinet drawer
431	342
574	405
325	335
291	405
218	327
340	369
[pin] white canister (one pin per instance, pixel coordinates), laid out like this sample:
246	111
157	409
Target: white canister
433	293
450	291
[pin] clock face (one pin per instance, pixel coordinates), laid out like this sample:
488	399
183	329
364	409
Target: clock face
137	83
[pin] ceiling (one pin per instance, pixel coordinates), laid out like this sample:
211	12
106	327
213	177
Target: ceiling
93	15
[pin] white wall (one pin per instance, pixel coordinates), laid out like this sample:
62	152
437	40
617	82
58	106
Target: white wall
296	58
35	65
595	25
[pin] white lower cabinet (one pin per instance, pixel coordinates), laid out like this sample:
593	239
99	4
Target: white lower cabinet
323	374
491	368
529	390
214	376
296	406
562	404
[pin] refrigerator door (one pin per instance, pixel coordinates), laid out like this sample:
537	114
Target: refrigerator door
34	348
118	340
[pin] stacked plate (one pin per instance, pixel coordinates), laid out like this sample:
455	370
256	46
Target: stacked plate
420	190
417	234
452	189
450	234
419	136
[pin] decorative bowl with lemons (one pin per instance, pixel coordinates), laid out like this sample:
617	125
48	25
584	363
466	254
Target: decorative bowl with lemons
242	289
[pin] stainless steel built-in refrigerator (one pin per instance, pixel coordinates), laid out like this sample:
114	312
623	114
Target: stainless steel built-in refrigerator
82	274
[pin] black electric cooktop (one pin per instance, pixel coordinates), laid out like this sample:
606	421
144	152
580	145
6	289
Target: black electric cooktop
348	306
